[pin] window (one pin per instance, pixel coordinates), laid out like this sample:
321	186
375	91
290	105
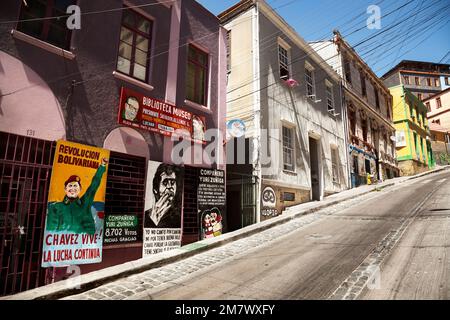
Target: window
335	165
134	46
197	71
406	79
347	70
447	81
288	149
419	96
421	144
388	109
438	103
53	31
363	84
429	82
417	81
352	121
364	130
436	82
309	81
438	121
330	98
283	59
288	196
428	106
415	143
229	51
377	98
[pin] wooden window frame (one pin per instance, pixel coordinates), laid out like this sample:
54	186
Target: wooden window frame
135	31
199	68
288	147
46	23
283	66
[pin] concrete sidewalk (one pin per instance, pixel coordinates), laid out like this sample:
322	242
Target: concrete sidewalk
95	279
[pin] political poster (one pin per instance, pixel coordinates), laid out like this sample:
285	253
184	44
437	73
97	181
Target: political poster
73	232
121	229
150	114
163	208
211	202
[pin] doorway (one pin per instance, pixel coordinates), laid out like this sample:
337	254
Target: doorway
355	178
315	169
368	169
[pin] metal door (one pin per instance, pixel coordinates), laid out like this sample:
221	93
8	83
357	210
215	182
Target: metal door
25	170
248	198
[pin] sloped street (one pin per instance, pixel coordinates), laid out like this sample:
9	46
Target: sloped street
390	244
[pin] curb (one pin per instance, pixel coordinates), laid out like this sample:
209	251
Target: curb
95	279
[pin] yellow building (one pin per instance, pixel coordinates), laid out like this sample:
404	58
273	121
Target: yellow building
413	145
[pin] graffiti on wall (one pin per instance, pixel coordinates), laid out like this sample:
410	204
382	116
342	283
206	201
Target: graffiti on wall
268	203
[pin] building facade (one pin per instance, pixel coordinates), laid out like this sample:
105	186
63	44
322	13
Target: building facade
368	108
440	143
414	151
423	79
59	83
287	103
438	108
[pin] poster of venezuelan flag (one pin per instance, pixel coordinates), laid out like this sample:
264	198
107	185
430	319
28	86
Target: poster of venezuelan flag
73	232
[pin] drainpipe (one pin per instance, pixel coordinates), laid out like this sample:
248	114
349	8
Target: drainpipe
257	109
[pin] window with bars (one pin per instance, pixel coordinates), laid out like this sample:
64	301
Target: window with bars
330	98
309	81
283	61
53	31
197	72
288	149
134	48
335	165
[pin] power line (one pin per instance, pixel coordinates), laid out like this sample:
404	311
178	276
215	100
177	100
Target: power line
365	40
396	37
308	52
445	56
88	13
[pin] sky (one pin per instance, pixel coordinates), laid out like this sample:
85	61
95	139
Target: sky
410	29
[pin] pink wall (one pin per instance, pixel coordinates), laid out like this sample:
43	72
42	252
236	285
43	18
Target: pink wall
32	111
127	140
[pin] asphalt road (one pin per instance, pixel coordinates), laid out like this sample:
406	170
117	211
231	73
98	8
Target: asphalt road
399	236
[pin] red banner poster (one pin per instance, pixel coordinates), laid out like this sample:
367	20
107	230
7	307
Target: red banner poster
141	112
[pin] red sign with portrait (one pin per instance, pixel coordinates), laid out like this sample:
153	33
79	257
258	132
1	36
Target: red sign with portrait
141	112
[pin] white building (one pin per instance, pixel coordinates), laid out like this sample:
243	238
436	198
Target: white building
280	88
